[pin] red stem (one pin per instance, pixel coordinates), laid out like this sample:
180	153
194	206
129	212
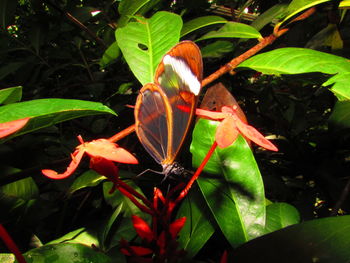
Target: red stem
196	174
11	245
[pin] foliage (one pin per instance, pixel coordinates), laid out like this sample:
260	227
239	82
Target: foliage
70	68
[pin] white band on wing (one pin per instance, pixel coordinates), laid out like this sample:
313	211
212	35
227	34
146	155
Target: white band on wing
184	72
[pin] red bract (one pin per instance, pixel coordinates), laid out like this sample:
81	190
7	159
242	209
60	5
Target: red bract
101	148
176	226
142	228
231	125
10	127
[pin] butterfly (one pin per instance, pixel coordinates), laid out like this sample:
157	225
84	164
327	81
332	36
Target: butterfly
161	125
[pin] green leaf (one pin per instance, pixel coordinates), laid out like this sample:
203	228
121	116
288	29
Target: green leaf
340	116
345	4
237	190
233	30
10	95
322	240
267	17
88	179
108	226
47	112
297	6
25	189
7	12
201	22
116	198
280	215
81	235
217	49
65	253
111	54
129	8
302	60
143	43
7	258
199	223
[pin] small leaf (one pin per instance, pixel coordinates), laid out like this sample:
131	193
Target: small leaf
82	235
297	6
268	16
110	55
128	9
345	4
280	215
217	49
116	198
47	112
201	22
66	253
88	179
233	30
199	226
302	60
340	117
143	43
10	95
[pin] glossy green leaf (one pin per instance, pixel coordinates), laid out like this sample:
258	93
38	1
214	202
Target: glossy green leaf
302	60
345	4
233	30
110	55
25	189
111	221
268	16
201	22
236	189
88	179
323	240
47	112
298	6
280	215
7	258
129	8
340	116
217	49
124	231
116	198
10	95
143	43
82	235
65	253
199	223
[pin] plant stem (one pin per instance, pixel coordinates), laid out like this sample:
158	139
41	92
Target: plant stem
11	245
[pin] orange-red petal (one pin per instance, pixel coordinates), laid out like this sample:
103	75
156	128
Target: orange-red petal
226	132
251	133
211	114
10	127
76	158
108	150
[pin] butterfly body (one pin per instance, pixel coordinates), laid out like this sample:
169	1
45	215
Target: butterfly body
161	125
